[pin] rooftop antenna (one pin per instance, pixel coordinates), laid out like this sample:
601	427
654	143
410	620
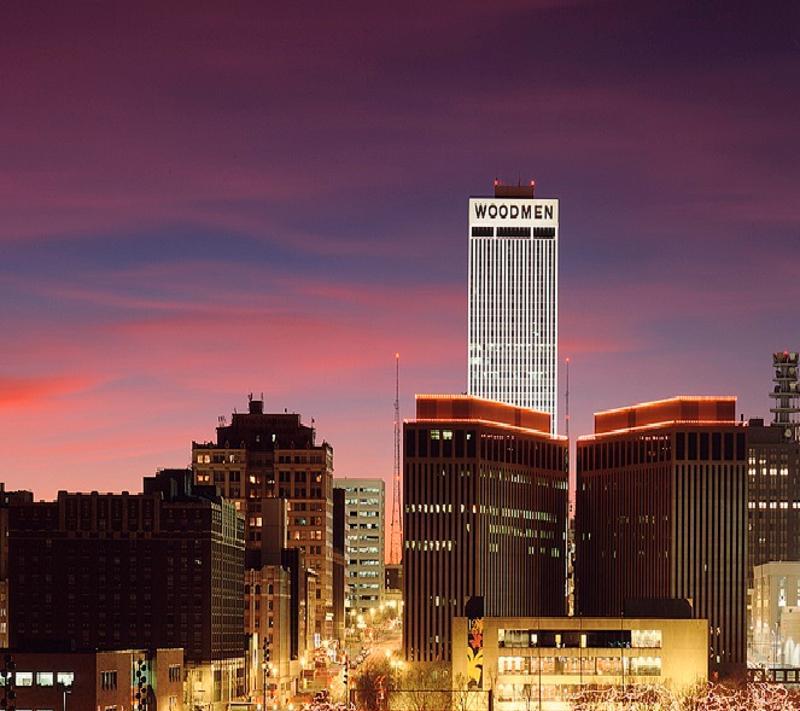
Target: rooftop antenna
397	521
786	393
566	402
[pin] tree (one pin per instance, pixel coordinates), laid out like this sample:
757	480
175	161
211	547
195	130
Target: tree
374	684
426	686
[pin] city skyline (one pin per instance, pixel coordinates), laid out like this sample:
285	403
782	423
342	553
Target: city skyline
213	209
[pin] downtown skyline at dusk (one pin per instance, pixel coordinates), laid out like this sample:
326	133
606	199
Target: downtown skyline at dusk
198	205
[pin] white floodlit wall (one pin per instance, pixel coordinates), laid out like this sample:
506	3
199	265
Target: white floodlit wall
513	302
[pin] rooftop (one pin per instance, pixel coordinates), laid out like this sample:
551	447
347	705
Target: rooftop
685	409
476	409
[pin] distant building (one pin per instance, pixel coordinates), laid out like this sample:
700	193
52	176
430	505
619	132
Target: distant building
485	515
99	680
547	662
258	457
512	319
393	593
662	513
364	530
127	571
776	614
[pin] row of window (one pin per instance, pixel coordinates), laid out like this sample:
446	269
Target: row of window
595	639
498	448
607	666
43	678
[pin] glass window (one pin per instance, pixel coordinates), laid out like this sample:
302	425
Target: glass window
24	678
44	678
66	678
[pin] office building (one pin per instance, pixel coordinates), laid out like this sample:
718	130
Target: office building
774	473
99	680
7	499
662	515
127	571
485	515
512	319
365	522
776	614
258	457
548	662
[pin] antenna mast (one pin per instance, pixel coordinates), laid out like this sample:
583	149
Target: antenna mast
397	521
566	402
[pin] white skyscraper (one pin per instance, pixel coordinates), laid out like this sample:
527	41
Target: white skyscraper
513	299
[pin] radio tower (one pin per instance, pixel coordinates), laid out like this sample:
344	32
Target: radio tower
397	521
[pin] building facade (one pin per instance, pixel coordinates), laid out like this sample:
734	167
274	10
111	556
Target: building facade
258	457
512	319
485	515
547	663
774	473
775	616
99	680
127	571
268	622
662	515
7	499
364	530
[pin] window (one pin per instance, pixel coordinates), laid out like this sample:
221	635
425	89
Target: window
174	672
108	680
65	678
24	678
44	678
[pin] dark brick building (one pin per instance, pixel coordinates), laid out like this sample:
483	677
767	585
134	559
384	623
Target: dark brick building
485	516
261	456
662	514
125	571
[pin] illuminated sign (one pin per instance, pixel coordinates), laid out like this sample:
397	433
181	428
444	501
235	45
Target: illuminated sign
513	212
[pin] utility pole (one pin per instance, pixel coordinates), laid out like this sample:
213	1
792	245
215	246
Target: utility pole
397	521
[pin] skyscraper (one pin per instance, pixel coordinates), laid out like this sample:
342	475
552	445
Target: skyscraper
485	517
662	515
513	299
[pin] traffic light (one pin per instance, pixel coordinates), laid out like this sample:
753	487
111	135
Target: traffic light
345	670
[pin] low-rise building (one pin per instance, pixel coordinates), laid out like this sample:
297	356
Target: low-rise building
550	660
99	680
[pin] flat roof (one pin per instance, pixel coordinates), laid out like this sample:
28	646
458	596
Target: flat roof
686	409
469	408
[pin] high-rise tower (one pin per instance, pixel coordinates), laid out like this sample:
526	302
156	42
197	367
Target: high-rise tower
513	299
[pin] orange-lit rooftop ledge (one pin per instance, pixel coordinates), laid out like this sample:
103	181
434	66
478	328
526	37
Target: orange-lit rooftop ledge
468	408
685	409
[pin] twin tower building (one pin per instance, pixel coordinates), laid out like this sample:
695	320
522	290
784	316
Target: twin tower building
661	508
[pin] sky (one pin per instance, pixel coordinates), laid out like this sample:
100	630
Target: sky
202	200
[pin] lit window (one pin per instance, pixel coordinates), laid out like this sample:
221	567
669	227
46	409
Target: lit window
24	678
44	678
65	678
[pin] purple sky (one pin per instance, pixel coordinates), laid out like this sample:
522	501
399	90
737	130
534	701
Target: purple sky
196	203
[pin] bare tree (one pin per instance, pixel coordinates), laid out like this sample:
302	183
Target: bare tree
426	687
